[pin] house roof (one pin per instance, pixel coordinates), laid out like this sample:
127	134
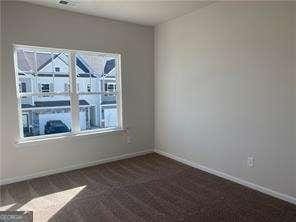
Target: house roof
82	65
62	103
26	63
43	59
82	75
108	102
110	64
39	104
25	60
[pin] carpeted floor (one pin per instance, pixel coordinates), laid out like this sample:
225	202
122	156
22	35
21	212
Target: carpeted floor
145	188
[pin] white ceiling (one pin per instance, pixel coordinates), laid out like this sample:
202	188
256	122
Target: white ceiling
140	12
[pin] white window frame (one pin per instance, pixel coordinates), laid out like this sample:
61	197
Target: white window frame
73	93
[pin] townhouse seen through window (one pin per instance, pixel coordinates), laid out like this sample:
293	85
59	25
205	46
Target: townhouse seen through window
64	91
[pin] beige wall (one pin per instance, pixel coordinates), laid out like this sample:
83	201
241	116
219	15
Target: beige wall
28	24
224	90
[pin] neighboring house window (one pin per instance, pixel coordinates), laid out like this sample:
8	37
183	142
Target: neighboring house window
23	87
45	88
110	87
88	88
50	107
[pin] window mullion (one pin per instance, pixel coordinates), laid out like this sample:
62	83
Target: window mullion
19	104
118	90
73	95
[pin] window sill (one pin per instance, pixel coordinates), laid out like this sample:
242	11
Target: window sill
66	137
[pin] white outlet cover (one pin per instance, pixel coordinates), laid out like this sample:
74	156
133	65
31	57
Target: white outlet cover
128	140
251	161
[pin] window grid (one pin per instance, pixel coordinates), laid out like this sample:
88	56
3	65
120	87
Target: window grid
73	91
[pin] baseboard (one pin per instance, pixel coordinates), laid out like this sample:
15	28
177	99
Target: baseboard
251	185
73	167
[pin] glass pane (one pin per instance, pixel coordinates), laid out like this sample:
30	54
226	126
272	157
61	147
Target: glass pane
53	71
25	84
25	67
93	71
44	115
97	111
110	74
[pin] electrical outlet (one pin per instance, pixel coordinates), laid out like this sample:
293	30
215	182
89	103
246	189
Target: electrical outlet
128	139
250	161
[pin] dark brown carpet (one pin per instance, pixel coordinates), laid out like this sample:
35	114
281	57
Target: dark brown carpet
146	188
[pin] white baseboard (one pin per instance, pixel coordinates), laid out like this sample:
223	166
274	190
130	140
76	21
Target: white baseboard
73	167
251	185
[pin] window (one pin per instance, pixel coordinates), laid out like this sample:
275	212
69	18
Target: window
44	88
66	91
23	87
88	88
110	87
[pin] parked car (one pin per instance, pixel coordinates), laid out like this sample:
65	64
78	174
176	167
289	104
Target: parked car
55	126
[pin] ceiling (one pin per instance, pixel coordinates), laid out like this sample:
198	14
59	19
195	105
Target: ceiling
140	12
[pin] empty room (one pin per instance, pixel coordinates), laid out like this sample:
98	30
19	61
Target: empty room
127	111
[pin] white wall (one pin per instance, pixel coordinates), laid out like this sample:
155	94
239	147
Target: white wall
294	62
23	23
224	90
